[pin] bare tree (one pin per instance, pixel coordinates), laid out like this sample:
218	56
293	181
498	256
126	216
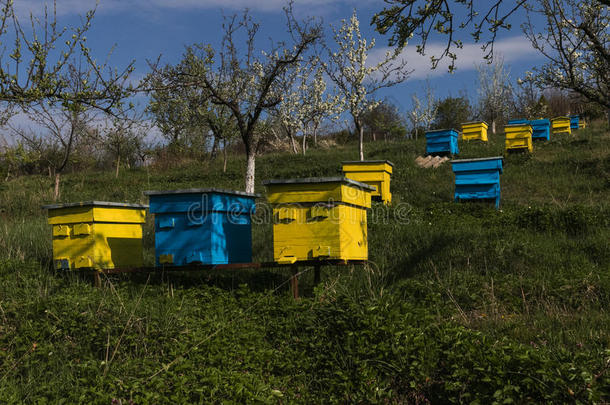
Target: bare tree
305	103
409	18
357	82
37	66
495	91
423	111
576	43
248	83
63	129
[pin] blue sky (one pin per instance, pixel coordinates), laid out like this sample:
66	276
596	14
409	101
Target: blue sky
144	29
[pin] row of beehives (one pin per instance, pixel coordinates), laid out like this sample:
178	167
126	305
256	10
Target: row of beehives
479	179
315	218
519	133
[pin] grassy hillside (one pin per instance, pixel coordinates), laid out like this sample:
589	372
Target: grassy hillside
460	303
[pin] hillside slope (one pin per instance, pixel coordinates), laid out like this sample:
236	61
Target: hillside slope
461	302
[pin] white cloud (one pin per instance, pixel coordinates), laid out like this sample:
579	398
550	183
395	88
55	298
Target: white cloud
511	49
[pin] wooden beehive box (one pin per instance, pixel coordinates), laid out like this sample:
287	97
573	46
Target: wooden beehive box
376	173
477	179
319	218
475	130
561	125
97	234
442	141
202	226
519	137
541	129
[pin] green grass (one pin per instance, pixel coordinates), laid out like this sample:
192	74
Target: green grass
460	303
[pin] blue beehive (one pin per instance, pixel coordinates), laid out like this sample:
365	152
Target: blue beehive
518	121
477	179
541	129
442	141
203	226
574	121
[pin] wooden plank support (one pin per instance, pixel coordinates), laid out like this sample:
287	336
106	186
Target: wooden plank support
294	283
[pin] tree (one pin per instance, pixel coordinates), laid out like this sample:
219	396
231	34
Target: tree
37	66
357	82
248	83
385	120
529	102
408	18
575	40
305	103
576	43
423	112
183	110
65	124
452	112
495	92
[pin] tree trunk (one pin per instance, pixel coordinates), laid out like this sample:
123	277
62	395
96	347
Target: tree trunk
416	130
315	136
56	188
224	156
304	143
493	126
250	169
374	135
214	151
118	164
360	130
293	141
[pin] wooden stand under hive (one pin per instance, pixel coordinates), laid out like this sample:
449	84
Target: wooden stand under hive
96	234
319	218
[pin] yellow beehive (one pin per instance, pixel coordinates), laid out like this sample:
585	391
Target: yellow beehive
319	218
376	173
518	137
475	130
561	125
97	234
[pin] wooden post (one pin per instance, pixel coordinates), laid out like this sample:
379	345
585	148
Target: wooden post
97	279
294	283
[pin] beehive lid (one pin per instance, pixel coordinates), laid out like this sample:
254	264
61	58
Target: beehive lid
477	159
441	130
475	122
105	204
317	180
364	162
560	118
202	191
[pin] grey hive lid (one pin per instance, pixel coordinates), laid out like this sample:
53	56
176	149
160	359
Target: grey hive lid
441	130
356	162
313	180
477	159
475	122
201	191
94	204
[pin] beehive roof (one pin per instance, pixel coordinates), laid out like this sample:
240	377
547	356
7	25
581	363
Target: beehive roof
314	180
94	204
201	191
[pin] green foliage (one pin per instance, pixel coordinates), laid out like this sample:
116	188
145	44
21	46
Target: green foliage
452	112
461	302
